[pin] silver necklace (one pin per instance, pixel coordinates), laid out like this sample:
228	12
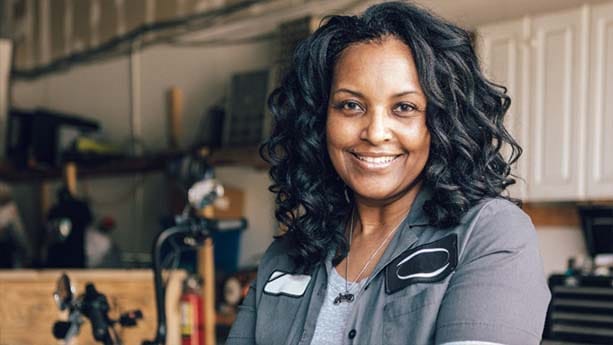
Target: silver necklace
348	296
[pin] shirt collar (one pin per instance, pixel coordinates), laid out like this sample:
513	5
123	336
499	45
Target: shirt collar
417	216
404	238
407	235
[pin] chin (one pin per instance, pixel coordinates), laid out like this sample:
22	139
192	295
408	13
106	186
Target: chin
383	193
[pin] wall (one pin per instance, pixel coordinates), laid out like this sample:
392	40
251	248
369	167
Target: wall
557	244
102	91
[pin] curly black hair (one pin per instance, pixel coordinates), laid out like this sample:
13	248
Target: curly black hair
465	115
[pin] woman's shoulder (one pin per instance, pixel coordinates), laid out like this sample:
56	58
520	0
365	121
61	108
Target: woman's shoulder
496	207
499	221
277	254
500	209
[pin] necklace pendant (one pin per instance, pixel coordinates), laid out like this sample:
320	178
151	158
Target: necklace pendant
344	297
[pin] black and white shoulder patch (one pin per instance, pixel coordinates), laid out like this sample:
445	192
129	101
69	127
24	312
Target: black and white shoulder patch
287	284
428	263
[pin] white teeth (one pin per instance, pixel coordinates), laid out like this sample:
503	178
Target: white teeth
377	160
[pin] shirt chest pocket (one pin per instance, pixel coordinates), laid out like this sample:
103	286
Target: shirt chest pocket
411	318
275	318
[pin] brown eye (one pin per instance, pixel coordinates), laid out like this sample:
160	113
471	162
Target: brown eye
405	108
350	107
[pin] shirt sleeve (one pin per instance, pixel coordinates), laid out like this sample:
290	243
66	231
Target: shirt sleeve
498	293
471	343
243	329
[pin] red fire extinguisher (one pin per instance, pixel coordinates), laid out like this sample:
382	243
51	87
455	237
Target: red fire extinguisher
192	322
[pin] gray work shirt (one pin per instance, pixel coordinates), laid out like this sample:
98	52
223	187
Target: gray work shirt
481	280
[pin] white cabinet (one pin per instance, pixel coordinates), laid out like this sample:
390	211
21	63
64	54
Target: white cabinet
502	56
565	73
599	173
558	57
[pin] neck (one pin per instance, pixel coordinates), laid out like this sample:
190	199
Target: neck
377	219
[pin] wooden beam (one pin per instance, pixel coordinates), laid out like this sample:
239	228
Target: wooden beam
175	110
70	178
206	269
553	214
556	214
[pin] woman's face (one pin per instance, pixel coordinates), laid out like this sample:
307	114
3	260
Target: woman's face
376	126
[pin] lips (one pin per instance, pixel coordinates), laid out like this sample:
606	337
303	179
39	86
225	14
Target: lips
375	161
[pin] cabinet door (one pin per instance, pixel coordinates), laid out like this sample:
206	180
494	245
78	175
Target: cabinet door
559	80
501	51
600	115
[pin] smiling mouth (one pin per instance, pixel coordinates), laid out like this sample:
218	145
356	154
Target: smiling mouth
376	162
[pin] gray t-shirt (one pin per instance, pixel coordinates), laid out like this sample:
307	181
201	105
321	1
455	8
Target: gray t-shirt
481	280
330	327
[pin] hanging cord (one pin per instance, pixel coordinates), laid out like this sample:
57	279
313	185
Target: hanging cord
167	32
122	45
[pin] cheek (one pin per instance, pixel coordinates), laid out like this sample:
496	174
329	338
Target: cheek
426	142
339	137
418	132
338	133
417	140
332	141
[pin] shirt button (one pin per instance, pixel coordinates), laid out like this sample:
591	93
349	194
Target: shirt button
352	334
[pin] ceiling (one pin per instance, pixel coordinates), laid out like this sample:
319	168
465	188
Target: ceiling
266	16
471	13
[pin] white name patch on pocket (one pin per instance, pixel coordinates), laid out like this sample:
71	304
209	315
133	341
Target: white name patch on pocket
283	283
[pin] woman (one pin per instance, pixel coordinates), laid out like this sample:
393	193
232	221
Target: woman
389	176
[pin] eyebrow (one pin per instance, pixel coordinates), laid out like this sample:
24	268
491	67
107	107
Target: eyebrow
355	93
358	94
409	92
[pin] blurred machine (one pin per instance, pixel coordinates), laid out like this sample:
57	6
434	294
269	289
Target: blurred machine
191	229
597	226
581	309
91	305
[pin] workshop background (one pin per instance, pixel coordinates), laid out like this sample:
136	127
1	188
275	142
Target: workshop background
99	100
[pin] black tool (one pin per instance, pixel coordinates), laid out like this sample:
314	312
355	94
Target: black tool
92	305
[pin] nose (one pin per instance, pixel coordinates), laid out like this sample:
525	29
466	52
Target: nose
377	129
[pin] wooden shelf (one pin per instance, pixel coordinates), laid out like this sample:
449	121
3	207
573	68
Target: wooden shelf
115	167
239	156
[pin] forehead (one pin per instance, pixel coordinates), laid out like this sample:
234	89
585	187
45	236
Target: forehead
380	63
